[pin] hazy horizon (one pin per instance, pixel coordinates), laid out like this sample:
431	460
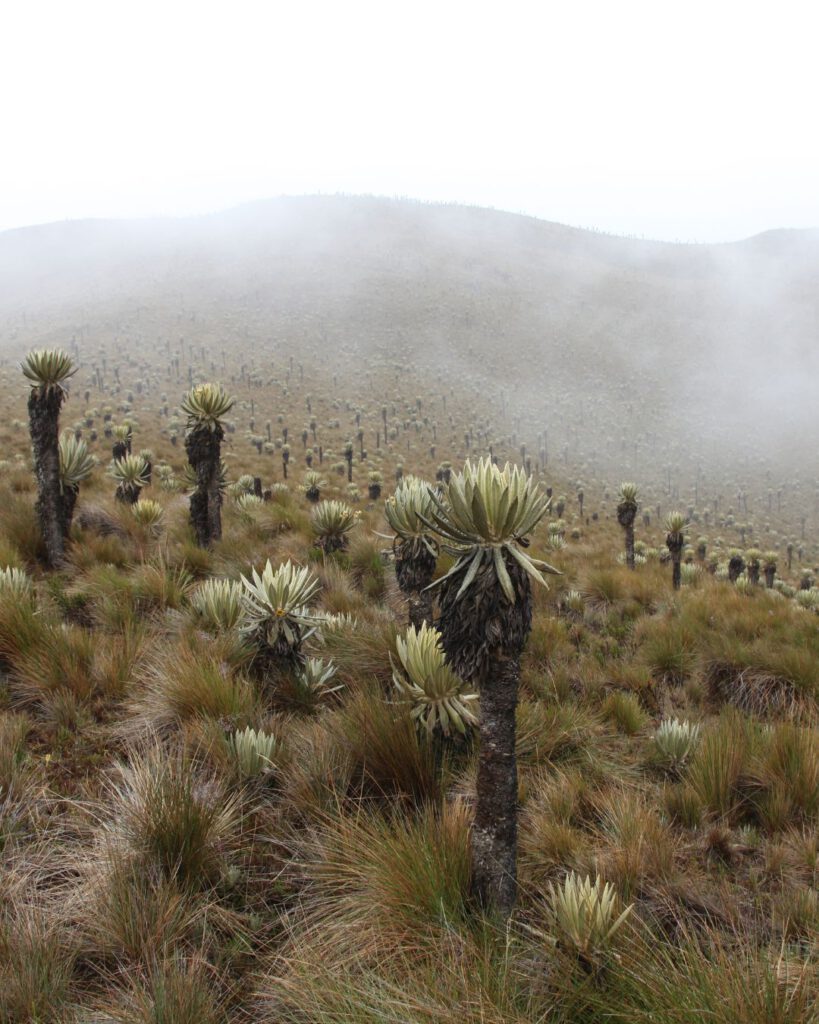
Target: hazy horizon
630	332
259	200
627	120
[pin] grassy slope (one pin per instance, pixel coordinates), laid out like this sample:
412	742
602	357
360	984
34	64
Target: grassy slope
140	877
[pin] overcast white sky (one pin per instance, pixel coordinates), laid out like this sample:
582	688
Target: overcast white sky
691	121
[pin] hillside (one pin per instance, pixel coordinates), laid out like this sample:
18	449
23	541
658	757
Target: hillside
237	786
694	354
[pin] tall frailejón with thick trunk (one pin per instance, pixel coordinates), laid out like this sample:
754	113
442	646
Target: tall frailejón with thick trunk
675	541
483	519
626	514
47	372
205	406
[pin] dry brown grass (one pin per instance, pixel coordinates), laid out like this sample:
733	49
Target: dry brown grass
142	880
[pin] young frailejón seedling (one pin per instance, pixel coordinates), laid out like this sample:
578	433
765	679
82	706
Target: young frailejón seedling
439	698
76	465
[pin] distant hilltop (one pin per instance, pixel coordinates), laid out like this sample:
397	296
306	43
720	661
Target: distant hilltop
701	343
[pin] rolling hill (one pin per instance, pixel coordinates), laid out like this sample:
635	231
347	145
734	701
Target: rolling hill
635	355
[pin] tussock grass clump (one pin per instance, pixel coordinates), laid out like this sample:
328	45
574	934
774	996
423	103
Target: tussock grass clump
723	979
339	595
36	967
625	711
92	551
198	561
367	567
62	659
796	914
190	681
554	836
178	989
382	743
603	587
668	647
552	733
14	729
20	528
281	516
683	805
173	818
636	846
158	586
759	655
361	652
22	629
718	764
767	775
134	914
482	978
548	642
386	881
782	780
104	594
320	773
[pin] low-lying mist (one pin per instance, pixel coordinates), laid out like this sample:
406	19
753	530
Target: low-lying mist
613	357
